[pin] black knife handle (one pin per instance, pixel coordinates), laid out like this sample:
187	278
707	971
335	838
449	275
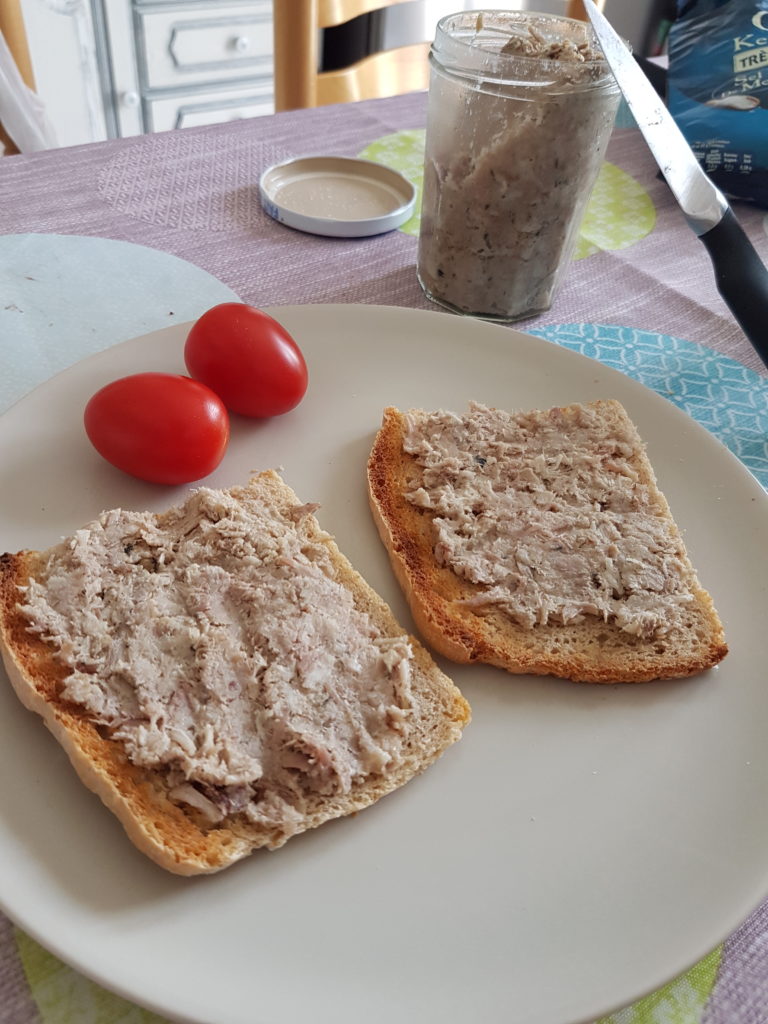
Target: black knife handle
742	279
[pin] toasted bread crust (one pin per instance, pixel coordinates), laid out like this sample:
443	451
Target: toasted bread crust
172	837
590	651
155	825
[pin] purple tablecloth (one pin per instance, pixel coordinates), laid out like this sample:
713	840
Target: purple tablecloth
194	194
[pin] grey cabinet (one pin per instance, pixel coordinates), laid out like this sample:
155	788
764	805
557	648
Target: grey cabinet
176	63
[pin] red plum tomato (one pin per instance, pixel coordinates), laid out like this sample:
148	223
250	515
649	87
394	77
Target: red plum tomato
160	427
248	359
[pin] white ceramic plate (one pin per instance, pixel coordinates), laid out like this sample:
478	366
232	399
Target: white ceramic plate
580	845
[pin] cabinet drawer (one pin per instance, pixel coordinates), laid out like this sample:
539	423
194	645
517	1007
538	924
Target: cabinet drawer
213	44
186	111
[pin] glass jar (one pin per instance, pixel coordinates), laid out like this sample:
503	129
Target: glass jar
521	108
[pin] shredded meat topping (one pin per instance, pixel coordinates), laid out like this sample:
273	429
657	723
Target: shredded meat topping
217	645
545	512
533	44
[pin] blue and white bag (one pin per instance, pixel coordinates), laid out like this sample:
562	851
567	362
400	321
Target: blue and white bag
717	90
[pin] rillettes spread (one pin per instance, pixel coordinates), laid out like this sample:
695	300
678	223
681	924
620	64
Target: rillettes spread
216	644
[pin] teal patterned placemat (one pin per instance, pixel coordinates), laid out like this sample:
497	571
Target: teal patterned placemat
727	398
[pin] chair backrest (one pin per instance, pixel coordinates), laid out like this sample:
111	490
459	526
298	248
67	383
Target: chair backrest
299	83
13	31
575	8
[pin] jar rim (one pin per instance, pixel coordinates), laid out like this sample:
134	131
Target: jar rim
470	42
486	18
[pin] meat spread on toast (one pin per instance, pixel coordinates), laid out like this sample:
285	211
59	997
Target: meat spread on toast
540	541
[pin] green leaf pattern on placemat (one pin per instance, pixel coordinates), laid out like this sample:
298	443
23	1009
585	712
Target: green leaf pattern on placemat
619	213
682	1001
405	152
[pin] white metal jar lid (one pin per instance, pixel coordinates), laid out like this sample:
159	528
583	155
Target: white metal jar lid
336	195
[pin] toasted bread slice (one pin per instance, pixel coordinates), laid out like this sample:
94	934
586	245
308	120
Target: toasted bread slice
522	541
171	805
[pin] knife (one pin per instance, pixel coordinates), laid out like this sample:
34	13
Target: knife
740	274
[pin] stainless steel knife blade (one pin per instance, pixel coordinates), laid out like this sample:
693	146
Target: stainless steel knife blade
740	274
702	203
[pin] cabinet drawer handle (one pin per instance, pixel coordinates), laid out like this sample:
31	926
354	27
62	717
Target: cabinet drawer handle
130	99
241	44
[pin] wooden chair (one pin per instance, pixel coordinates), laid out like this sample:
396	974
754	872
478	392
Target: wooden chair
297	27
575	8
14	33
298	83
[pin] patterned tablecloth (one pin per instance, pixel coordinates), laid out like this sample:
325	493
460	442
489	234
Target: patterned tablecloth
103	242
